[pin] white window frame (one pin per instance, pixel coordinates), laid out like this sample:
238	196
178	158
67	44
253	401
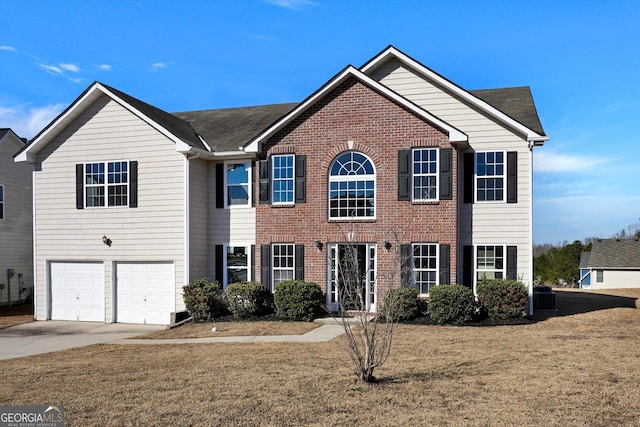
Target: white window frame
416	270
247	248
415	175
292	179
502	176
292	269
352	178
106	185
477	271
247	163
2	202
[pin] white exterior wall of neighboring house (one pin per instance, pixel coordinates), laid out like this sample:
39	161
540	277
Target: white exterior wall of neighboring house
615	279
153	232
16	224
491	222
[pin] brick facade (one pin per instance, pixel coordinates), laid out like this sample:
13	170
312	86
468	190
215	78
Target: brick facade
353	117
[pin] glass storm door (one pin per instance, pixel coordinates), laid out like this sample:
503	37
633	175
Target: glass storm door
351	277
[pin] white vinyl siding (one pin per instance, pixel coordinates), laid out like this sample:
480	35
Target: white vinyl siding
153	231
505	222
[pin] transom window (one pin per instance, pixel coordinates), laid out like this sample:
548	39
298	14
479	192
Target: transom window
490	173
283	178
490	262
352	181
283	262
425	174
106	184
425	266
1	201
238	264
237	179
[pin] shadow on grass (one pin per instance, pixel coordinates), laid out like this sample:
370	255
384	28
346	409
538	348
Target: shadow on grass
569	303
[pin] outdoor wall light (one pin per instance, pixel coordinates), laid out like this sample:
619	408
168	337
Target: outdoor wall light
387	245
106	241
319	245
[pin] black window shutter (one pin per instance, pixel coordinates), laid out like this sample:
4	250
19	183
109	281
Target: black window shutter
253	263
253	183
79	186
512	262
219	269
467	266
301	179
446	176
406	266
512	177
265	266
404	175
468	177
220	185
445	265
299	263
133	184
264	181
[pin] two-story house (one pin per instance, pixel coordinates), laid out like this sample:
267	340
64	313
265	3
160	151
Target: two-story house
132	202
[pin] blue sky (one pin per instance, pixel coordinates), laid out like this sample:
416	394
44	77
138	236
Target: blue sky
580	58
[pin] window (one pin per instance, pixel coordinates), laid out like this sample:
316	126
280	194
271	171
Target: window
1	201
490	262
237	179
283	179
425	174
352	187
283	262
106	184
490	176
425	266
599	276
238	264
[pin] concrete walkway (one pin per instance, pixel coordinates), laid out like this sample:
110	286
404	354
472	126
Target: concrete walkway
49	336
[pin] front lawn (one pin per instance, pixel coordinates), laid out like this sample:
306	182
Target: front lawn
579	367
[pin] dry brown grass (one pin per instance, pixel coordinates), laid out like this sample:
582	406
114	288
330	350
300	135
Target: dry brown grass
231	329
578	368
15	315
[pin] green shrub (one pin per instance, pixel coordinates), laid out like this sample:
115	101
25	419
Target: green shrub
298	300
502	298
451	304
401	304
203	300
247	299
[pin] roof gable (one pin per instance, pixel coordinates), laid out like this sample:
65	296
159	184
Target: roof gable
455	135
511	107
615	254
8	135
171	126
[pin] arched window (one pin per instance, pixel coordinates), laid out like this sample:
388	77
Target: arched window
352	187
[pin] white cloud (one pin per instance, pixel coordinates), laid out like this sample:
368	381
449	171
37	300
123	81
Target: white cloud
104	67
550	161
8	48
27	122
50	68
291	4
70	67
158	66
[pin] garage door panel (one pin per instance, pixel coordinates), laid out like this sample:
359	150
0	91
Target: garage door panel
77	291
145	292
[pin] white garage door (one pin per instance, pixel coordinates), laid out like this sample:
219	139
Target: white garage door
145	292
77	291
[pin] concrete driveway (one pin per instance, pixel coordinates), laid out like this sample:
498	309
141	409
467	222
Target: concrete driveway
45	337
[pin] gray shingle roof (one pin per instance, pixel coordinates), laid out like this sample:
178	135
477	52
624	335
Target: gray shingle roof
516	102
228	129
584	259
612	254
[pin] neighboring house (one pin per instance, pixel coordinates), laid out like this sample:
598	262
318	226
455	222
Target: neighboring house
133	202
612	263
16	225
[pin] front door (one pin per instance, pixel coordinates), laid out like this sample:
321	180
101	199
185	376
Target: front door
352	272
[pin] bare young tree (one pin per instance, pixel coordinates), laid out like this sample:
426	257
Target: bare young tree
369	335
